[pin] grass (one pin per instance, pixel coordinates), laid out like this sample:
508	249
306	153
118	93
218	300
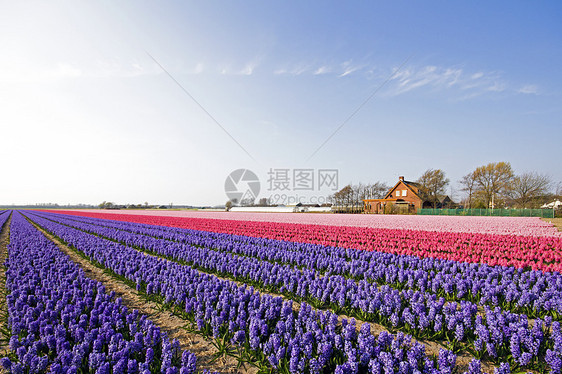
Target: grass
557	222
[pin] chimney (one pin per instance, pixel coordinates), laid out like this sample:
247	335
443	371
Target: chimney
401	178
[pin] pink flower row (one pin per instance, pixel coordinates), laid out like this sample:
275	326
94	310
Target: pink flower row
532	226
541	253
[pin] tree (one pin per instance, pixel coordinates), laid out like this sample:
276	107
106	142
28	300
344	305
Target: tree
493	181
432	184
343	198
376	190
350	198
528	187
264	201
228	205
468	185
106	205
247	201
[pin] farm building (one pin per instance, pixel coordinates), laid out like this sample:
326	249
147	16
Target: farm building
404	197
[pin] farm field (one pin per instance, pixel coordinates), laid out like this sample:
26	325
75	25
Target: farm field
482	225
296	293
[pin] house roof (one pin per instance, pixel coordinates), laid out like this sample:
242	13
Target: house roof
443	198
412	186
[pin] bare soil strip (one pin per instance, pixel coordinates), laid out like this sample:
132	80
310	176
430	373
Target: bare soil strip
173	325
4	240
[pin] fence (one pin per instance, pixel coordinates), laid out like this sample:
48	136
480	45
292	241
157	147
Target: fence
544	213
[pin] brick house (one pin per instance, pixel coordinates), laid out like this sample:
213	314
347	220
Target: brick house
404	197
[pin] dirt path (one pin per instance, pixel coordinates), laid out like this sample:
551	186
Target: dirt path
171	324
4	240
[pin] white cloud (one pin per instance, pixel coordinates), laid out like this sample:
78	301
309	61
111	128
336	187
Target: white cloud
497	87
322	70
529	89
248	69
296	69
340	70
432	76
199	68
439	78
349	68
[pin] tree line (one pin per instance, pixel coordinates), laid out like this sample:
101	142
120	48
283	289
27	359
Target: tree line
494	185
350	198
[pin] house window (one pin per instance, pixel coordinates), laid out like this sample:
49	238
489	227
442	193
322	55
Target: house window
404	192
397	193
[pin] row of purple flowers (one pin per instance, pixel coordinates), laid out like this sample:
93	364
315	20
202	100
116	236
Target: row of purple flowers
265	328
64	322
4	215
500	335
532	292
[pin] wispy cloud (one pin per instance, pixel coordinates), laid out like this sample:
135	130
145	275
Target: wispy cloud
298	69
432	77
529	89
322	70
467	84
497	87
348	68
247	69
336	69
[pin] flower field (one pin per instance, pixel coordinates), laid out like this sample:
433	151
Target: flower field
539	252
482	225
288	297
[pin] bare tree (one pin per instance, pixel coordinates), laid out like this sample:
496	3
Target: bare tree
357	200
264	201
350	198
493	180
528	187
376	190
247	201
468	185
433	183
342	198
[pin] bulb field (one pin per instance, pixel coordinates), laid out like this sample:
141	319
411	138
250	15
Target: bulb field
286	293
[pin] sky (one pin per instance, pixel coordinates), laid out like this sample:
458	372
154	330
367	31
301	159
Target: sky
138	101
